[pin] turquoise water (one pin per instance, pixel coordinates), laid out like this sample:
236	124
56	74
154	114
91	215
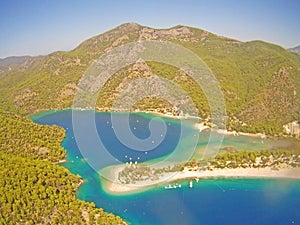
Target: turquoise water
209	202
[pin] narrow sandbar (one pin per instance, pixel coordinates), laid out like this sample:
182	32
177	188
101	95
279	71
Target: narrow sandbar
113	186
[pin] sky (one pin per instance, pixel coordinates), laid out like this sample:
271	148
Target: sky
39	27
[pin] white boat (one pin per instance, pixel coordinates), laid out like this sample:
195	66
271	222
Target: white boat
177	186
169	186
191	184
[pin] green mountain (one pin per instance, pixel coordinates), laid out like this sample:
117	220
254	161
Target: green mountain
260	81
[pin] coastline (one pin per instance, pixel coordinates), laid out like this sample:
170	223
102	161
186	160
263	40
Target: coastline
112	186
201	126
117	187
198	126
235	133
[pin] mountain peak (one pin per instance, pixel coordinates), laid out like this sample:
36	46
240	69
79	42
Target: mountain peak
260	80
129	26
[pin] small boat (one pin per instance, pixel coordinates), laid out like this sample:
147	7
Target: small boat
197	179
177	186
169	186
191	184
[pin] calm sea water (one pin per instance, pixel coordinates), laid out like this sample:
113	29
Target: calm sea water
209	202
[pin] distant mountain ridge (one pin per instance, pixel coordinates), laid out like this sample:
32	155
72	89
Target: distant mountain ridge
295	49
260	81
15	64
14	60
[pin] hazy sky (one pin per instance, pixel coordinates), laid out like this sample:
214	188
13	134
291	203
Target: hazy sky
34	27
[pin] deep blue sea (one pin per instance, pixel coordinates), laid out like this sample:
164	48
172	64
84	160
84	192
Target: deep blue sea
209	202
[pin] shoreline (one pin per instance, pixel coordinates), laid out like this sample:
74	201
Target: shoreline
112	186
198	126
235	133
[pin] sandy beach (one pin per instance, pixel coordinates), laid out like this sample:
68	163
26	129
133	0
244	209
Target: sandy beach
115	187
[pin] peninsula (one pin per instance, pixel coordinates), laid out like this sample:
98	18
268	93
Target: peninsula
132	177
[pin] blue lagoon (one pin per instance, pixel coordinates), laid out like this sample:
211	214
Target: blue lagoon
229	201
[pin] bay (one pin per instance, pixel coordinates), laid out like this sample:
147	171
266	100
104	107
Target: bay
209	202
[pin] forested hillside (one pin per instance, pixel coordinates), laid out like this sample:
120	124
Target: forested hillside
260	81
34	189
